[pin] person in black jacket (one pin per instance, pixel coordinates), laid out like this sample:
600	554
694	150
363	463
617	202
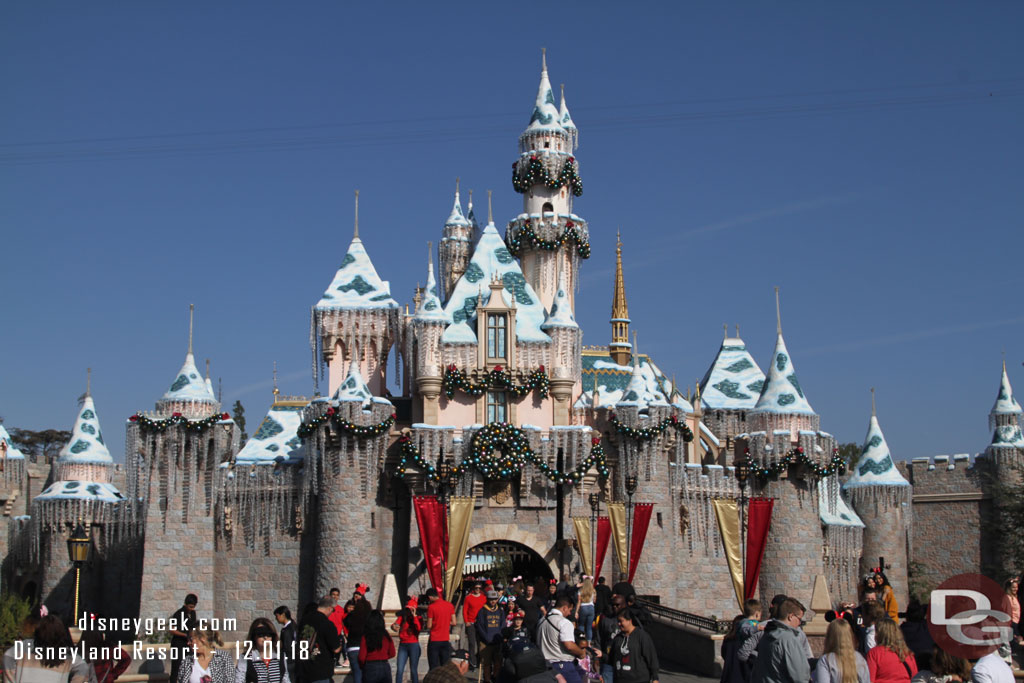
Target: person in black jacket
184	621
634	658
283	615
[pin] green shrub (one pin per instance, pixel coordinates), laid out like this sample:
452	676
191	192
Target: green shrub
13	610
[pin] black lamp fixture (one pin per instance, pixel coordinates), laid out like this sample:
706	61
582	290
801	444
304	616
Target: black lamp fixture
631	483
743	473
595	502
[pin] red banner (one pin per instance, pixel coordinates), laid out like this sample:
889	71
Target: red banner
604	534
641	520
432	520
759	521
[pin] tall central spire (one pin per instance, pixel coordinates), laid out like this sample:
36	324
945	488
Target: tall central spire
619	349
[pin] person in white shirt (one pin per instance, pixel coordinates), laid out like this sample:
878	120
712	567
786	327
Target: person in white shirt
991	669
556	637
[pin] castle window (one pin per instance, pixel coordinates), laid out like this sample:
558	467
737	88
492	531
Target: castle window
497	406
497	335
547	145
548	207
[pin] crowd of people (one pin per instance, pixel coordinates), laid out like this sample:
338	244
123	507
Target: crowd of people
864	643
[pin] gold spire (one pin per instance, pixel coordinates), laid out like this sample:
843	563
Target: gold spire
620	351
276	390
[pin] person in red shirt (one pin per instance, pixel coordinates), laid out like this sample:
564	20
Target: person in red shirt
470	607
375	649
890	661
440	620
407	626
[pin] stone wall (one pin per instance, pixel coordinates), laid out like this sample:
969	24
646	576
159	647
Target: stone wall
793	554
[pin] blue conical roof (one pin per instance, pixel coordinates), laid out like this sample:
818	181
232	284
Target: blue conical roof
734	381
430	308
545	116
189	385
86	444
354	387
875	466
276	439
1005	403
357	285
782	393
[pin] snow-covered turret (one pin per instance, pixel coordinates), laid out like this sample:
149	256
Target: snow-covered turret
566	122
1004	421
881	496
12	458
547	236
456	246
189	393
782	404
356	314
730	388
426	327
566	336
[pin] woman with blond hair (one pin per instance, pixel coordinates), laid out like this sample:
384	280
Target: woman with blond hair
203	662
585	608
841	663
890	661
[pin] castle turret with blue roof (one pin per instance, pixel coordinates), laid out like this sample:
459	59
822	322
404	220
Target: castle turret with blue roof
881	496
1007	444
456	247
190	393
730	388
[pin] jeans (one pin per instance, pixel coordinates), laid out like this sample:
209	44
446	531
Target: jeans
472	645
438	653
377	672
586	620
607	673
410	652
353	661
568	670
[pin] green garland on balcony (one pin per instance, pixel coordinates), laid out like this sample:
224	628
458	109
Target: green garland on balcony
498	378
537	173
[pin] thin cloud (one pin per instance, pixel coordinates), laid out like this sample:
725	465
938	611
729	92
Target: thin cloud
905	337
773	212
266	384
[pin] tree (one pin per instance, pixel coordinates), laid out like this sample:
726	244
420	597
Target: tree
849	452
45	442
238	414
13	610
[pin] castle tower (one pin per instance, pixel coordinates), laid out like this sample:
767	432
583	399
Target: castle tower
456	245
189	394
730	388
547	236
620	348
566	352
428	325
881	497
81	492
1007	441
355	314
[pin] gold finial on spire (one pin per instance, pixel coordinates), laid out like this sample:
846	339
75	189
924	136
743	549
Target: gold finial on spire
356	233
276	390
872	402
543	59
619	349
696	393
1004	361
191	311
490	212
778	312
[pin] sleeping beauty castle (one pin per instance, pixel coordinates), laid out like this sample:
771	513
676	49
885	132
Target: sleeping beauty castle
507	439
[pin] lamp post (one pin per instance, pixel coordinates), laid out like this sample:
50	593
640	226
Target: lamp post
78	550
595	502
742	475
631	482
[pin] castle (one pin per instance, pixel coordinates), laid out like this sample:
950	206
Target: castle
499	394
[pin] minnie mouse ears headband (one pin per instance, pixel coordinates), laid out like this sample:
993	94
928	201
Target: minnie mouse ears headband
553	582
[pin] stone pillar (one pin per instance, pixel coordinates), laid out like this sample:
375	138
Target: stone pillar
793	555
883	511
430	389
561	392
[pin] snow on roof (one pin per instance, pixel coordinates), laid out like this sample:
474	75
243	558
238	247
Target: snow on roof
734	381
612	380
354	387
875	466
561	309
1008	436
356	285
81	490
491	258
545	116
563	116
782	392
277	439
86	444
843	515
12	450
189	385
636	390
1005	403
459	333
430	307
456	217
707	433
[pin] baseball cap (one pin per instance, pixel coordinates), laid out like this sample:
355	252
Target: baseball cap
492	595
462	654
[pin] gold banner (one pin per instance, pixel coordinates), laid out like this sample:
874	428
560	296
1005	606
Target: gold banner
729	526
460	514
583	539
617	517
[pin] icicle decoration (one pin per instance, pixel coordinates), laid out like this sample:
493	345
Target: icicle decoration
263	498
52	515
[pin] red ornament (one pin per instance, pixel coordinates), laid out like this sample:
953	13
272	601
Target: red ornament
595	440
225	416
569	224
800	450
533	157
394	416
497	368
330	411
175	414
541	368
133	418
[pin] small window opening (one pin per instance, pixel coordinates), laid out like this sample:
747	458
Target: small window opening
547	145
548	207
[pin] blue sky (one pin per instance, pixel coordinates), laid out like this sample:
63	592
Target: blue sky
865	157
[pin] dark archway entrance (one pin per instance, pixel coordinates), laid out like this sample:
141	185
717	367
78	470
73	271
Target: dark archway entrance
501	560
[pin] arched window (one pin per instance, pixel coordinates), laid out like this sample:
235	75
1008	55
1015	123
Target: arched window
548	208
497	335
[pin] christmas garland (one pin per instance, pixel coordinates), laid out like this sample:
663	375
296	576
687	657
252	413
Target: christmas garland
793	458
536	173
350	428
499	378
148	425
514	447
527	233
648	433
